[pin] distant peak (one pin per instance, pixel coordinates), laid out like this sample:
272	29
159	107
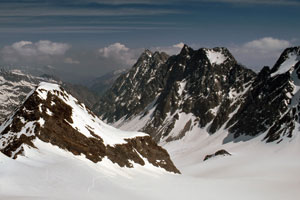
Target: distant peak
185	50
147	52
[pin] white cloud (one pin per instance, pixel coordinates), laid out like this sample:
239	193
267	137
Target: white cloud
51	48
179	45
170	50
260	52
69	60
29	51
119	53
267	44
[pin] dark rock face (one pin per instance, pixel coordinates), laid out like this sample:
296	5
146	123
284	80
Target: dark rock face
271	105
135	90
50	119
207	83
221	152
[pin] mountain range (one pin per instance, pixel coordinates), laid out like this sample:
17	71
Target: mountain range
206	89
200	113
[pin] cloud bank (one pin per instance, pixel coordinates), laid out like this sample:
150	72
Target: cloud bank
29	51
119	54
260	52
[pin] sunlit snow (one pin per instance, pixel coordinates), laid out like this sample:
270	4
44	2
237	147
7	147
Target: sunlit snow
215	57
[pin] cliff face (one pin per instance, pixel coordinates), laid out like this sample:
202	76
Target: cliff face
272	103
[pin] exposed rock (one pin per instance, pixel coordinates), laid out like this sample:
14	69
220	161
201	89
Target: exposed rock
221	152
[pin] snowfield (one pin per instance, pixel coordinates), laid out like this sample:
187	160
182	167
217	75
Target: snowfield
254	171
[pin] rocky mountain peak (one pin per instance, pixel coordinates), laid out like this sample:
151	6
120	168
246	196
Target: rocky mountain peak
197	82
137	87
185	50
50	115
146	54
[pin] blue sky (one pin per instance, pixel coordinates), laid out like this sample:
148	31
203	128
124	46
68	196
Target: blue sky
77	31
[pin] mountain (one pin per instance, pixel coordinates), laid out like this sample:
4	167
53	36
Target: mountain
135	90
15	85
245	166
167	97
272	103
50	115
103	83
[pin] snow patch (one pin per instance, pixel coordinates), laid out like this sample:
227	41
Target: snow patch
290	62
215	57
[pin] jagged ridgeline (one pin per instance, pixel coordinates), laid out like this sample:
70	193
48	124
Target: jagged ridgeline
51	116
206	88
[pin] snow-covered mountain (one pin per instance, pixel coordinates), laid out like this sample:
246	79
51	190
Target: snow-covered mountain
272	102
15	85
51	170
206	89
196	88
252	169
50	115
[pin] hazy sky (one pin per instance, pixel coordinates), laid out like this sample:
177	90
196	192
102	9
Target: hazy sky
82	39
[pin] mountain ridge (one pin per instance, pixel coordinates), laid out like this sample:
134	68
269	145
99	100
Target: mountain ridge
51	115
209	89
178	87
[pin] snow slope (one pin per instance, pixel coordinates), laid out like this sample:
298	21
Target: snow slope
84	121
254	171
288	64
